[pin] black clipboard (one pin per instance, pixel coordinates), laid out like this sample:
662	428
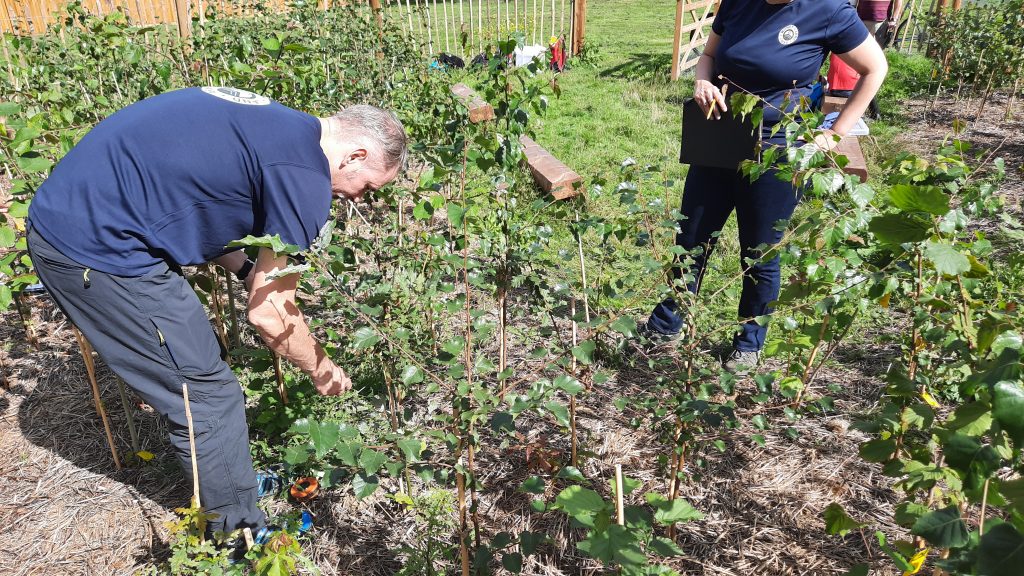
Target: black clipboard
721	143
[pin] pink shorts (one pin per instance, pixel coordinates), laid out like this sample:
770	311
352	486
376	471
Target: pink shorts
873	10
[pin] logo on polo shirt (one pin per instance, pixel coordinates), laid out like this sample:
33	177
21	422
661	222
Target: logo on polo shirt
788	35
237	96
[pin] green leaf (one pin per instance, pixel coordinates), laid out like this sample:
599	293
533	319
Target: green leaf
274	243
9	108
571	473
412	375
411	448
585	351
324	436
423	210
371	460
560	412
364	337
899	228
364	485
946	259
928	199
837	521
967	453
665	548
533	485
1001	551
1008	408
512	561
7	237
295	455
348	452
616	544
456	214
668	513
877	450
942	528
568	383
858	570
6	297
624	325
759	422
577	501
34	163
908	513
972	419
502	422
528	541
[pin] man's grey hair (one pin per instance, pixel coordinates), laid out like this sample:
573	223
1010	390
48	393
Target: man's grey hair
378	125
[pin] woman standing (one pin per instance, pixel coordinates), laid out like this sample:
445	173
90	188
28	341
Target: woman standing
774	49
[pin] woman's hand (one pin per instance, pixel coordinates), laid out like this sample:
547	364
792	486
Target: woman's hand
826	140
709	98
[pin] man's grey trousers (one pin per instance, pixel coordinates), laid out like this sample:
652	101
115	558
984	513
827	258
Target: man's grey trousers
154	333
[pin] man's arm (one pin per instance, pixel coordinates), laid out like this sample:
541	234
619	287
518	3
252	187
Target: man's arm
234	262
274	313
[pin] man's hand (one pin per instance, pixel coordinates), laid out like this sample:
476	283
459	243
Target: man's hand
709	98
332	381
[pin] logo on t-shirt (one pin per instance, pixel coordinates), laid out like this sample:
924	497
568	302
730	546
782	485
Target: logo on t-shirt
788	35
237	96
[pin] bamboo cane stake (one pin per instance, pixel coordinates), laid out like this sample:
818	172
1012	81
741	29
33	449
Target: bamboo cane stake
508	22
543	6
236	340
533	32
430	26
515	12
573	440
412	31
462	24
279	374
191	447
480	23
460	487
444	6
90	370
561	24
583	269
552	19
218	314
128	414
619	508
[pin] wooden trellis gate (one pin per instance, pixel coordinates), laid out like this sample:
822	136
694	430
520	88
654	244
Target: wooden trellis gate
693	19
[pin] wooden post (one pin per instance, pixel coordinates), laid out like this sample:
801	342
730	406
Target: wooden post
375	6
579	19
184	21
677	39
90	369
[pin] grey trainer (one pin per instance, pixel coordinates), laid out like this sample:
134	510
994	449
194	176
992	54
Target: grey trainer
741	362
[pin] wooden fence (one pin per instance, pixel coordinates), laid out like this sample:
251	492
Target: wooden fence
436	25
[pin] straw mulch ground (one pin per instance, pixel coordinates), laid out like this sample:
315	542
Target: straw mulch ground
65	509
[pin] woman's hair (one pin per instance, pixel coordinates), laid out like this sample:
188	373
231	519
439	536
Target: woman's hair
378	125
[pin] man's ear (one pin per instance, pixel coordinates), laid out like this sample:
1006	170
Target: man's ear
357	156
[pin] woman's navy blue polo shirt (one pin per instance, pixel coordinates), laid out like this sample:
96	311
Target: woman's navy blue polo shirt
775	49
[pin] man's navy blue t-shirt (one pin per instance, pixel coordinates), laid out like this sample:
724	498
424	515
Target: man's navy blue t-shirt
773	50
177	176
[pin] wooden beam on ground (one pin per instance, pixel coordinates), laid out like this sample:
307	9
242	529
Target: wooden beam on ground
479	110
550	173
849	146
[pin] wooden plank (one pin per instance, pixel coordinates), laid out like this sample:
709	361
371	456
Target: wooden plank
833	104
550	173
479	110
849	146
